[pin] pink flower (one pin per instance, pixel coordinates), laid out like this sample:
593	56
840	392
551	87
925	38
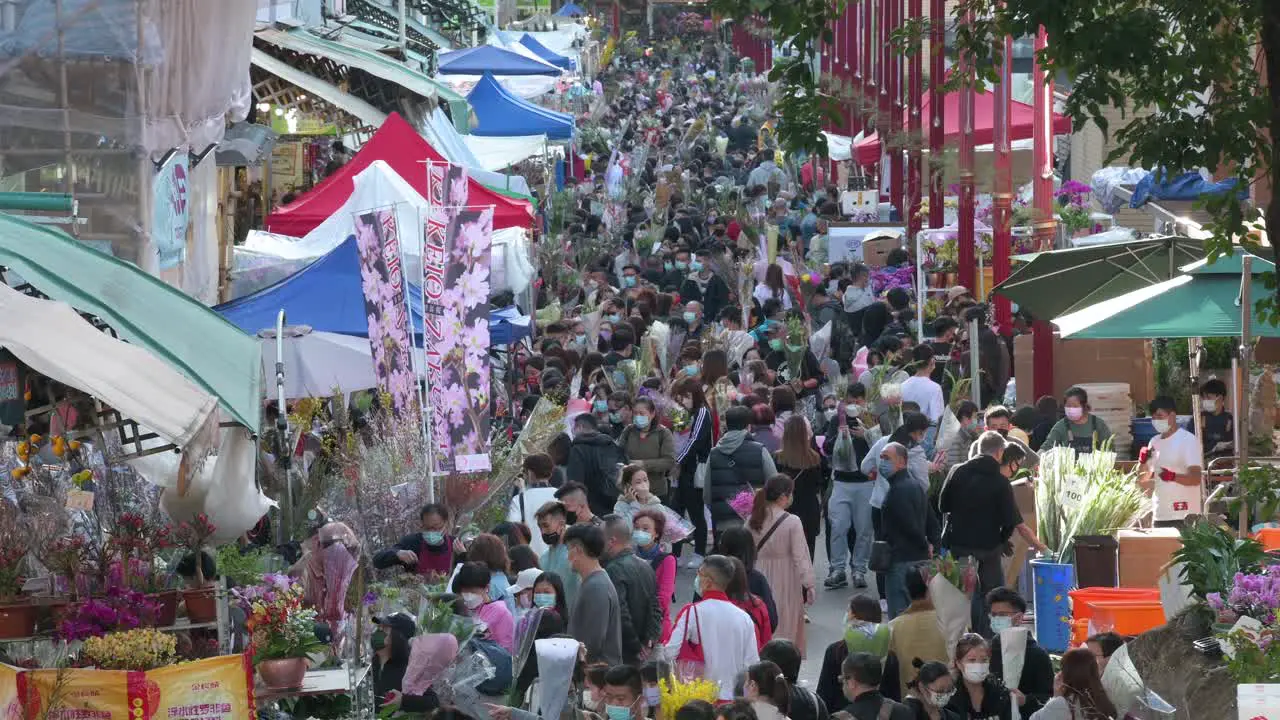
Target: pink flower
453	403
475	286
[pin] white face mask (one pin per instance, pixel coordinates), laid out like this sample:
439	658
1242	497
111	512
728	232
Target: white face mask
940	699
853	409
976	672
1160	425
472	600
1209	405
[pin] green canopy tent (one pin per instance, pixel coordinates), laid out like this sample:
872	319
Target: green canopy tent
141	309
1057	282
1203	301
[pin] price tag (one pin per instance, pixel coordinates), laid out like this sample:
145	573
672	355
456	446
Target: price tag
1073	492
79	500
1258	702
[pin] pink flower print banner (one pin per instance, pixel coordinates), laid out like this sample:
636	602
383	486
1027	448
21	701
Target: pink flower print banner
455	288
382	278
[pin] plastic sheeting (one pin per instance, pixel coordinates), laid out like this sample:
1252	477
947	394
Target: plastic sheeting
495	153
503	114
266	258
1187	186
317	363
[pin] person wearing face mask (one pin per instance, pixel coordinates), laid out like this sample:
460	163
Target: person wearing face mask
998	419
906	524
782	555
931	691
804	703
914	635
633	483
630	279
1171	467
1078	690
724	632
861	675
980	695
593	460
654	674
428	553
970	428
623	694
1080	429
619	416
648	526
596	617
1035	686
704	286
636	585
981	516
391	644
1103	646
1218	425
694	446
848	517
692	315
552	521
472	585
536	492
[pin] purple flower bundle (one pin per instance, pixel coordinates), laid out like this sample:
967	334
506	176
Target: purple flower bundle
742	502
120	609
885	279
1255	595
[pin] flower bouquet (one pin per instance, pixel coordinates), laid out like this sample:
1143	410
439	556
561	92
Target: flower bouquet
951	585
133	650
742	502
679	418
675	694
282	631
885	279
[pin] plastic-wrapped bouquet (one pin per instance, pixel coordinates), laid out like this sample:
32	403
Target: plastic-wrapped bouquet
742	502
885	279
951	584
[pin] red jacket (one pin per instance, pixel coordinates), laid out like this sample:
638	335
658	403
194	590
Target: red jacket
759	616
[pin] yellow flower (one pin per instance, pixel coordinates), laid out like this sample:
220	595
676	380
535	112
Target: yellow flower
676	694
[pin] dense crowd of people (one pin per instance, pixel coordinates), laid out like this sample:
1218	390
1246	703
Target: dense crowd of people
736	391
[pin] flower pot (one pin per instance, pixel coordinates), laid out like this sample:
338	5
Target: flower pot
202	605
17	620
167	608
283	674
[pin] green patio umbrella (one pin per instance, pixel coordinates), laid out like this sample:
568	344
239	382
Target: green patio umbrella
1057	282
1204	301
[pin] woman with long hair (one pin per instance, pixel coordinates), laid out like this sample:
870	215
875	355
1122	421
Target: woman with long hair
739	593
783	555
979	696
736	542
490	550
1077	691
762	422
768	691
715	365
693	448
799	458
773	288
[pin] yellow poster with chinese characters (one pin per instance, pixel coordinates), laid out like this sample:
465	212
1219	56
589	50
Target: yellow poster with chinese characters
75	694
219	688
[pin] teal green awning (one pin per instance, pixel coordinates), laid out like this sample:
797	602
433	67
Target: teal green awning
143	310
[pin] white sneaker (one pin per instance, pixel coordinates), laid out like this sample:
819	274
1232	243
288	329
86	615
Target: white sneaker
695	562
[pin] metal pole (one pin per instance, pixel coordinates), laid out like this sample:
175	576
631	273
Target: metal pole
921	287
64	102
284	454
404	28
966	250
975	387
897	194
1242	383
1002	237
937	67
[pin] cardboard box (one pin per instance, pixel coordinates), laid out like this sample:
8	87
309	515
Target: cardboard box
1144	553
875	252
1088	361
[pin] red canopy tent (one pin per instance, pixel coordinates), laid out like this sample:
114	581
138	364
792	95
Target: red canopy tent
401	147
1021	121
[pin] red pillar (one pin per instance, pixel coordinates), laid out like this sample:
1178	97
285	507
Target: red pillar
1002	198
884	117
966	259
868	101
914	89
937	66
1042	187
897	172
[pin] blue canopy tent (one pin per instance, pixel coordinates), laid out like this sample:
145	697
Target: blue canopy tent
545	52
328	296
491	59
571	10
501	114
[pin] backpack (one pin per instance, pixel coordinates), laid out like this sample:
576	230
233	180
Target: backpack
500	659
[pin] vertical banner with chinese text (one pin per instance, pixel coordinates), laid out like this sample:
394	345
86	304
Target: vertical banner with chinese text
382	278
455	301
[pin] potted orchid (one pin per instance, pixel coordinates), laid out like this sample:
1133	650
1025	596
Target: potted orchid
282	631
1073	207
136	650
1250	605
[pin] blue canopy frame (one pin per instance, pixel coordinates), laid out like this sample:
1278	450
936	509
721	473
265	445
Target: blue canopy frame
502	114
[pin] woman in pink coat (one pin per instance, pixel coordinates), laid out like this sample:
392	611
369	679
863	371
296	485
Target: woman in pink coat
783	556
648	526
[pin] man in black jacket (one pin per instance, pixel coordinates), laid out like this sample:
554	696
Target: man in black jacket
861	675
705	286
805	704
594	458
905	523
1035	687
735	464
637	588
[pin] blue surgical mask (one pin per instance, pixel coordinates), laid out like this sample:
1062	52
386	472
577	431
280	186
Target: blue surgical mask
641	421
615	418
691	370
696	266
544	600
615	318
682	265
885	468
617	712
601	406
690	317
668	266
582	339
643	538
775	344
1000	622
697	585
629	281
434	538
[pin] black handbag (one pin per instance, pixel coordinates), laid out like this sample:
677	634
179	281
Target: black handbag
881	557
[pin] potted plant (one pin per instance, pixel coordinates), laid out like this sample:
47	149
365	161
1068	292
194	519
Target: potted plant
119	609
201	600
136	650
134	546
17	614
282	631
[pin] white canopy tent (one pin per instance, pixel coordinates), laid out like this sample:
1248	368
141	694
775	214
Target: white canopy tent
265	258
495	153
458	148
317	363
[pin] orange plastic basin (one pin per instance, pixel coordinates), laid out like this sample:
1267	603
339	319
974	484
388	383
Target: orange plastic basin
1079	632
1124	616
1081	598
1269	537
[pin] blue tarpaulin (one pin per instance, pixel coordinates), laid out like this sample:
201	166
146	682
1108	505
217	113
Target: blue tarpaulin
491	59
571	10
328	296
1187	186
501	114
546	53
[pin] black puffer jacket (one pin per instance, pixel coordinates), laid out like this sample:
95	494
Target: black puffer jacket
736	463
593	462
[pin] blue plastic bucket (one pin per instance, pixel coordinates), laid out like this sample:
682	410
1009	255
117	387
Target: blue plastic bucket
1053	606
1142	433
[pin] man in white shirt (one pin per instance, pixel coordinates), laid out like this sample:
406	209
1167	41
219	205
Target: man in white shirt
723	631
924	392
1172	467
